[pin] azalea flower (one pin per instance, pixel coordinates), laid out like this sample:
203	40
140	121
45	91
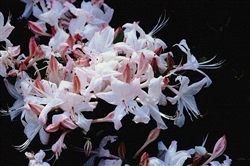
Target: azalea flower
102	152
99	14
123	95
185	98
31	128
101	41
193	64
52	15
36	159
19	91
152	99
170	156
5	30
100	76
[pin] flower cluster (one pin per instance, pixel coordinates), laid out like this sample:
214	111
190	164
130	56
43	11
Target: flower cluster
60	84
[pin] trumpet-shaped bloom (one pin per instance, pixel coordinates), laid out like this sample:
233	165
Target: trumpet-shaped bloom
52	16
100	15
193	64
102	40
170	156
5	30
123	95
152	99
31	128
60	37
185	98
36	159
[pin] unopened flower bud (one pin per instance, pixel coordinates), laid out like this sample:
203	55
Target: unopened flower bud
76	84
126	74
77	53
122	150
36	108
219	148
170	61
22	67
158	51
144	159
36	29
151	137
87	147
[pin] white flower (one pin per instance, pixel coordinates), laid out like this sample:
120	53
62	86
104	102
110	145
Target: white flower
170	156
123	95
36	159
5	30
185	98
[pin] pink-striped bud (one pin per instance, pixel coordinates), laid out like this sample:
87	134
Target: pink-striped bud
165	82
36	108
126	74
53	30
52	128
170	62
144	159
220	146
151	137
103	26
122	150
158	51
153	134
38	84
53	65
63	50
32	49
36	29
154	65
87	148
71	40
77	53
117	31
143	65
76	84
78	37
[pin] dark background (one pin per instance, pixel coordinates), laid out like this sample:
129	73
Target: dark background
210	28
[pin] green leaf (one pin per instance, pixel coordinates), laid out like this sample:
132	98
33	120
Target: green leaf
202	59
119	37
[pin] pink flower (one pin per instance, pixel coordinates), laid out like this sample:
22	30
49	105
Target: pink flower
153	135
218	150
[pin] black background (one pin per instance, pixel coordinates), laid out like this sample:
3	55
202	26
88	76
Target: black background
210	28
